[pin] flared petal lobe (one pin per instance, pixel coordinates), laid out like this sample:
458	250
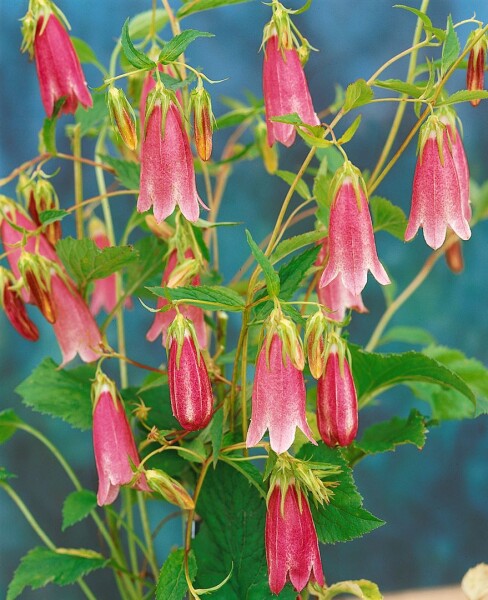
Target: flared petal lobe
189	385
58	68
114	449
292	550
462	169
167	172
352	249
337	405
278	399
436	196
285	91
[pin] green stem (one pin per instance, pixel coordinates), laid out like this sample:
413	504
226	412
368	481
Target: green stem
78	180
127	496
151	557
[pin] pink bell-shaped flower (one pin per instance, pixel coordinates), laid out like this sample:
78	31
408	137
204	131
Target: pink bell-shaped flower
437	201
278	396
58	67
292	549
285	91
337	404
335	296
14	307
167	172
162	320
190	389
352	249
113	443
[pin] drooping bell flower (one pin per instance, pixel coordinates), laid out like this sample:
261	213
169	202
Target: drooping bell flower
167	172
58	67
202	121
437	201
285	89
36	274
190	389
337	405
292	549
352	249
170	489
278	396
113	443
14	307
148	86
186	276
335	296
475	73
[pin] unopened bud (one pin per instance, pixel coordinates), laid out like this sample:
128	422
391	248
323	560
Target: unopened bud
14	307
454	257
122	117
202	122
161	230
36	273
315	345
269	154
42	196
170	489
475	73
183	273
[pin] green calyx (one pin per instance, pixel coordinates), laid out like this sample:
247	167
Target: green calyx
433	128
181	328
101	384
292	347
348	173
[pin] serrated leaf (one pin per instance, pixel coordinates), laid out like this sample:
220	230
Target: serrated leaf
176	46
9	423
374	373
450	47
90	119
77	506
386	436
235	117
388	217
233	515
350	131
408	335
137	59
290	119
207	297
397	85
292	274
344	518
357	94
85	53
362	588
51	216
270	275
313	140
193	6
141	24
60	393
294	243
126	171
171	581
85	261
464	96
301	188
41	566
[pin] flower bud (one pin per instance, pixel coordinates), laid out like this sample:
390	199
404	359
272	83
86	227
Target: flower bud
170	489
36	273
42	196
475	73
122	117
190	389
202	121
269	154
14	307
315	331
454	257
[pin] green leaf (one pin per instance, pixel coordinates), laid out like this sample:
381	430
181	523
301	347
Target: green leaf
292	274
374	373
235	117
9	423
350	131
5	475
232	533
137	59
216	434
207	297
343	518
171	582
408	335
450	48
176	46
126	171
193	6
439	33
51	216
357	94
294	243
464	96
388	217
41	566
157	400
290	119
90	119
60	393
151	252
362	588
141	24
270	275
386	436
85	261
86	54
301	188
318	141
77	506
397	85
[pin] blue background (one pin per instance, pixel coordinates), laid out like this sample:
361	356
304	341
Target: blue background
435	501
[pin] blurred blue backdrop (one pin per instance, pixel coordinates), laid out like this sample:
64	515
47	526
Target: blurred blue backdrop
434	501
